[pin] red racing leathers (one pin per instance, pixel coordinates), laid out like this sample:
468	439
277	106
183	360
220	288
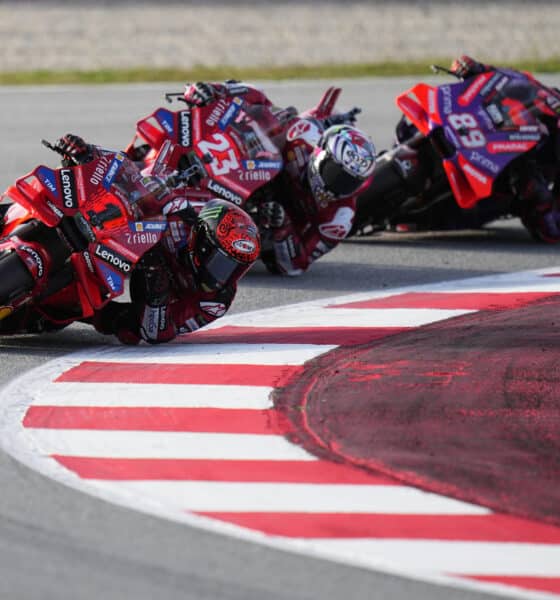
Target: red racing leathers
310	225
166	299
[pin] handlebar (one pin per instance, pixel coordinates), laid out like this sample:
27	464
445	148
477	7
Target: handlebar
53	148
343	118
169	96
439	69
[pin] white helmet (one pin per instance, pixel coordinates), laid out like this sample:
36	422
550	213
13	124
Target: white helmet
342	160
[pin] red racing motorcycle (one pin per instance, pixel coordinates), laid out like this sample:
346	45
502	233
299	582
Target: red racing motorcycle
460	151
71	238
229	148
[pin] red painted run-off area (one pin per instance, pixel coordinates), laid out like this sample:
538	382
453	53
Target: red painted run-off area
468	408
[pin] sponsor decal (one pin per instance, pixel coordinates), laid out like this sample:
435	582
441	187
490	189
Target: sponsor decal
100	169
236	89
68	186
432	101
224	192
255	175
153	321
525	137
55	209
480	159
230	113
113	170
196	124
84	227
475	173
305	130
112	278
217	113
185	128
553	102
502	83
80	183
244	246
35	264
88	261
175	206
340	226
273	165
190	325
495	114
446	99
142	238
165	119
163	318
140	226
214	309
473	90
491	84
499	147
485	118
113	258
47	178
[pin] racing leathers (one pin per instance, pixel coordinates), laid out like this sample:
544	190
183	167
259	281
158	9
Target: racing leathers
298	226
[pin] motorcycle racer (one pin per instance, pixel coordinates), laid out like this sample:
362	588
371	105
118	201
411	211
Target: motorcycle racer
308	209
186	281
539	178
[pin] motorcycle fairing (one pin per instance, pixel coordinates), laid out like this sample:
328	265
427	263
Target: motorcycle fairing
485	126
231	143
95	197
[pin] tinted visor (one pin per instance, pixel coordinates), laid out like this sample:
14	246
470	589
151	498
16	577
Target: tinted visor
337	180
218	269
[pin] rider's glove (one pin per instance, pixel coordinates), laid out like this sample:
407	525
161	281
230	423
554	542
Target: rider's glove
75	150
271	215
120	319
150	282
347	118
465	66
200	94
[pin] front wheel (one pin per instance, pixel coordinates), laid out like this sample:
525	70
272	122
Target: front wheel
15	279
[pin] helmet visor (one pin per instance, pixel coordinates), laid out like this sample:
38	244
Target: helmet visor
218	269
337	180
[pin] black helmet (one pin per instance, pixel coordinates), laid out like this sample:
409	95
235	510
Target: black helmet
223	244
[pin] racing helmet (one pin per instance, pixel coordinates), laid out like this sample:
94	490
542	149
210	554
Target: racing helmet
223	244
340	163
